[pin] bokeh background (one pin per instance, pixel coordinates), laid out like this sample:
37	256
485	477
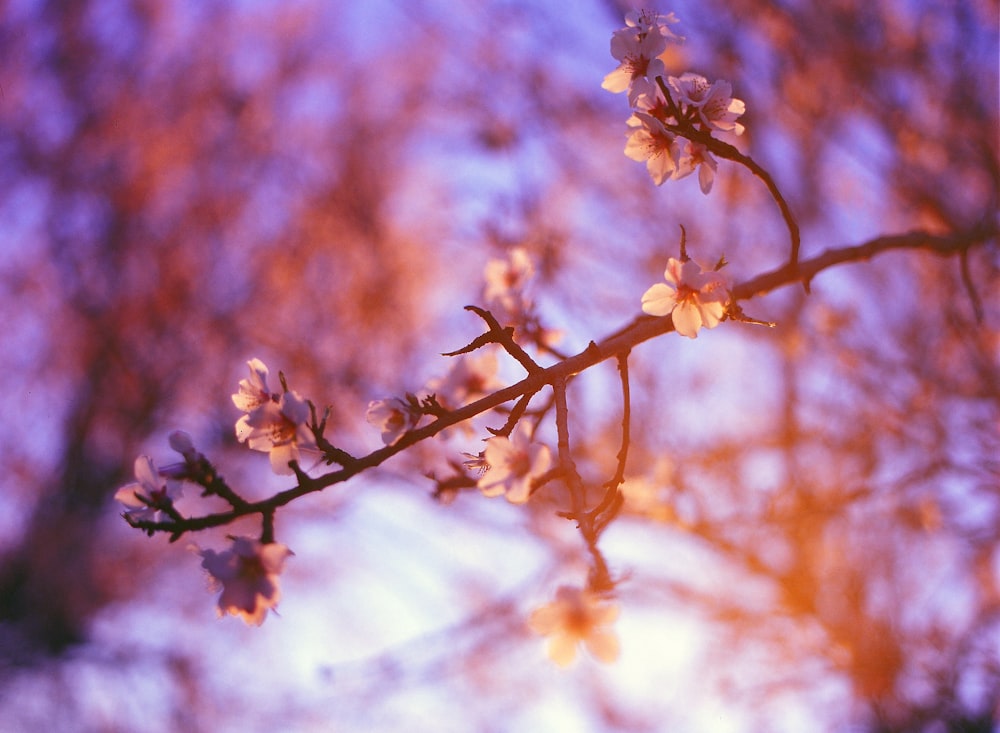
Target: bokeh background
811	536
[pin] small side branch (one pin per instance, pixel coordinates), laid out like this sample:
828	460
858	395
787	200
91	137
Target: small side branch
572	477
970	287
619	476
498	335
685	128
516	413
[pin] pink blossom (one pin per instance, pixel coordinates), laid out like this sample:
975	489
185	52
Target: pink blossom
247	573
392	417
280	429
651	142
145	498
695	156
513	464
576	616
637	48
693	297
275	423
507	280
253	392
716	106
470	378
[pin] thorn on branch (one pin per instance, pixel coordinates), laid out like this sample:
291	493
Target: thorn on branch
734	312
331	454
477	343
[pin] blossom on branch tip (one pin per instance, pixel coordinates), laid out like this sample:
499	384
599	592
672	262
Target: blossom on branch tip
647	20
247	574
253	392
693	297
151	492
182	443
716	107
512	464
576	616
637	48
392	417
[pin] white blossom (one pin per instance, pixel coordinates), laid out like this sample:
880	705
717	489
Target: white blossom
512	465
651	142
247	574
577	616
392	417
717	109
150	491
693	297
275	424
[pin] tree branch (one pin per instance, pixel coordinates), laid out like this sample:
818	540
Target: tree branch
642	328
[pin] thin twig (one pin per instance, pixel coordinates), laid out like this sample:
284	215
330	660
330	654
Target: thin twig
685	128
572	477
970	287
619	476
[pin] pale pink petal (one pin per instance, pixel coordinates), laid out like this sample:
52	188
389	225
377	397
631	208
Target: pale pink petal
127	496
687	320
545	620
273	556
604	614
561	649
145	473
603	645
520	491
281	456
659	300
243	429
706	176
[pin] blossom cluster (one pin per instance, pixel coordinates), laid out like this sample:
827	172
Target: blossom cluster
247	572
509	465
668	111
670	128
275	423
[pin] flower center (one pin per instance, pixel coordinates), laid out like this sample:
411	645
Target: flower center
519	463
251	568
686	294
637	65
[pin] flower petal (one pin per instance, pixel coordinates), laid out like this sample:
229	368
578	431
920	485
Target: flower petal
659	300
561	649
604	645
687	320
